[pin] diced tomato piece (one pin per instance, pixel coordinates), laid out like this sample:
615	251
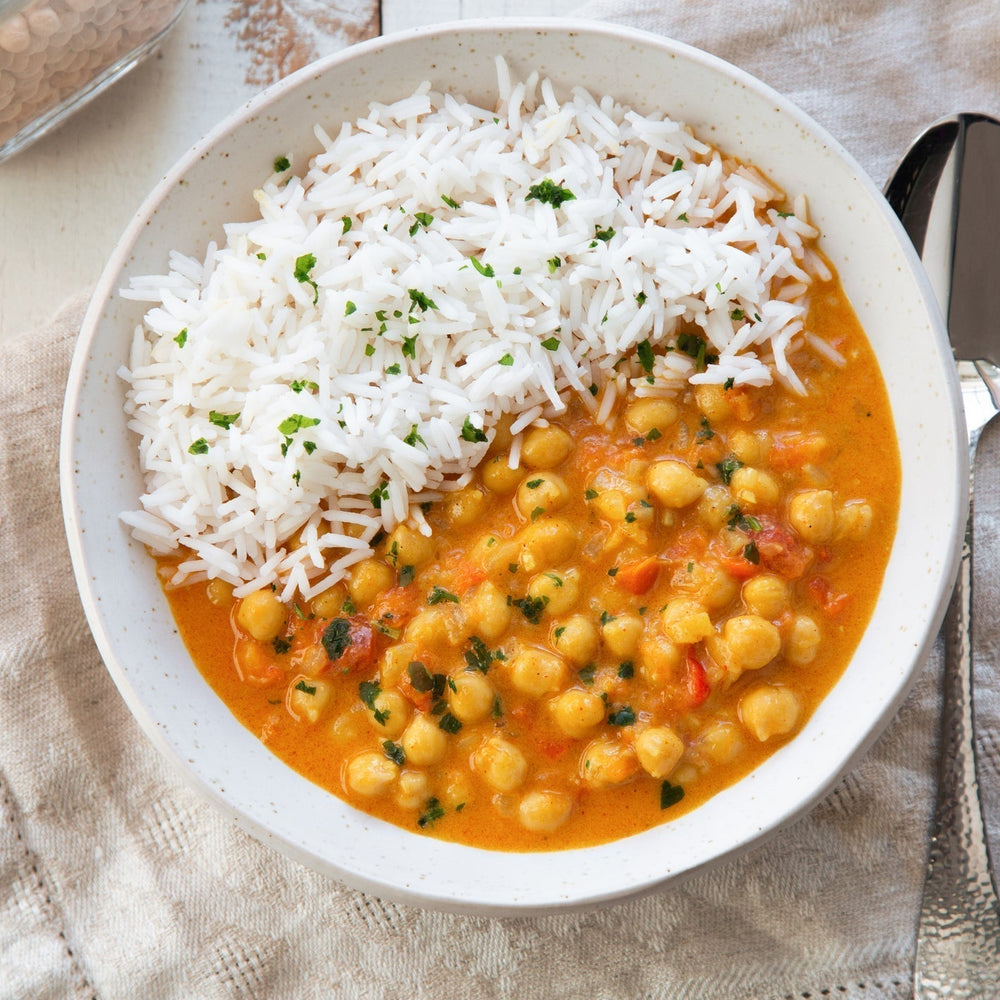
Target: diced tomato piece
255	663
396	606
357	648
637	577
739	566
696	680
822	593
420	700
781	552
554	749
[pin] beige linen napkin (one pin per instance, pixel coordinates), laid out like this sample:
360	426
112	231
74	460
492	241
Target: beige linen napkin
117	881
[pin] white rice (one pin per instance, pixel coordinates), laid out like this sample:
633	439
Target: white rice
698	241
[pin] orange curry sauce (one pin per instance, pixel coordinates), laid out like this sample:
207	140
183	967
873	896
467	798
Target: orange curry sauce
641	635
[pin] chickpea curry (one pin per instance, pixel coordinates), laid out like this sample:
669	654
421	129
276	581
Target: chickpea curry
599	639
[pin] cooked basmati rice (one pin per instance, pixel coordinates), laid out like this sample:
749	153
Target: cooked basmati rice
345	356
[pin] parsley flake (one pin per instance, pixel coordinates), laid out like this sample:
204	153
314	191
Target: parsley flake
549	193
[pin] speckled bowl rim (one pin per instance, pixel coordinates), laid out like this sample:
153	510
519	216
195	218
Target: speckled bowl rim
223	761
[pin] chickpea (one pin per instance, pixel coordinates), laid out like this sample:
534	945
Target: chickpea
658	661
423	742
754	488
413	789
465	506
406	546
576	639
370	773
650	413
612	504
368	579
721	742
560	591
802	641
541	493
219	592
751	642
685	621
713	507
261	615
769	710
811	514
854	520
390	715
455	791
709	584
605	763
329	603
498	476
712	401
394	661
350	725
501	764
659	750
545	447
307	698
577	712
536	672
674	484
472	697
542	812
621	634
311	661
766	595
751	448
443	623
548	542
487	611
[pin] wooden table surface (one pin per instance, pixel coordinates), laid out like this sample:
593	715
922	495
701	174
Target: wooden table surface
65	200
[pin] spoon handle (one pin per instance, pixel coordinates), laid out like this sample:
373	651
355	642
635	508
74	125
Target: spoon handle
958	941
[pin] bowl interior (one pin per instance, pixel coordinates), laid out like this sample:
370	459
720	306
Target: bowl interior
213	184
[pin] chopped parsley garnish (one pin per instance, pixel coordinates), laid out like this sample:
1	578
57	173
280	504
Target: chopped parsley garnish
281	644
305	688
644	352
603	234
420	677
586	674
670	795
410	346
369	350
624	716
336	638
531	607
706	433
281	164
533	484
554	264
507	360
750	553
729	383
607	617
379	494
223	420
549	193
439	595
694	347
262	256
479	657
613	571
394	752
472	433
486	270
786	215
727	467
199	447
423	219
683	217
418	300
303	265
625	670
345	221
368	691
449	723
181	339
299	384
678	165
406	575
735	518
737	315
537	513
589	494
295	423
413	438
517	270
349	308
450	202
551	344
497	710
393	369
653	434
434	811
640	299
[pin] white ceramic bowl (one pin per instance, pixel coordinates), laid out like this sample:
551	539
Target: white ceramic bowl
213	184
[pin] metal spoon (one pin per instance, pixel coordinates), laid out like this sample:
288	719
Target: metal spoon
946	192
